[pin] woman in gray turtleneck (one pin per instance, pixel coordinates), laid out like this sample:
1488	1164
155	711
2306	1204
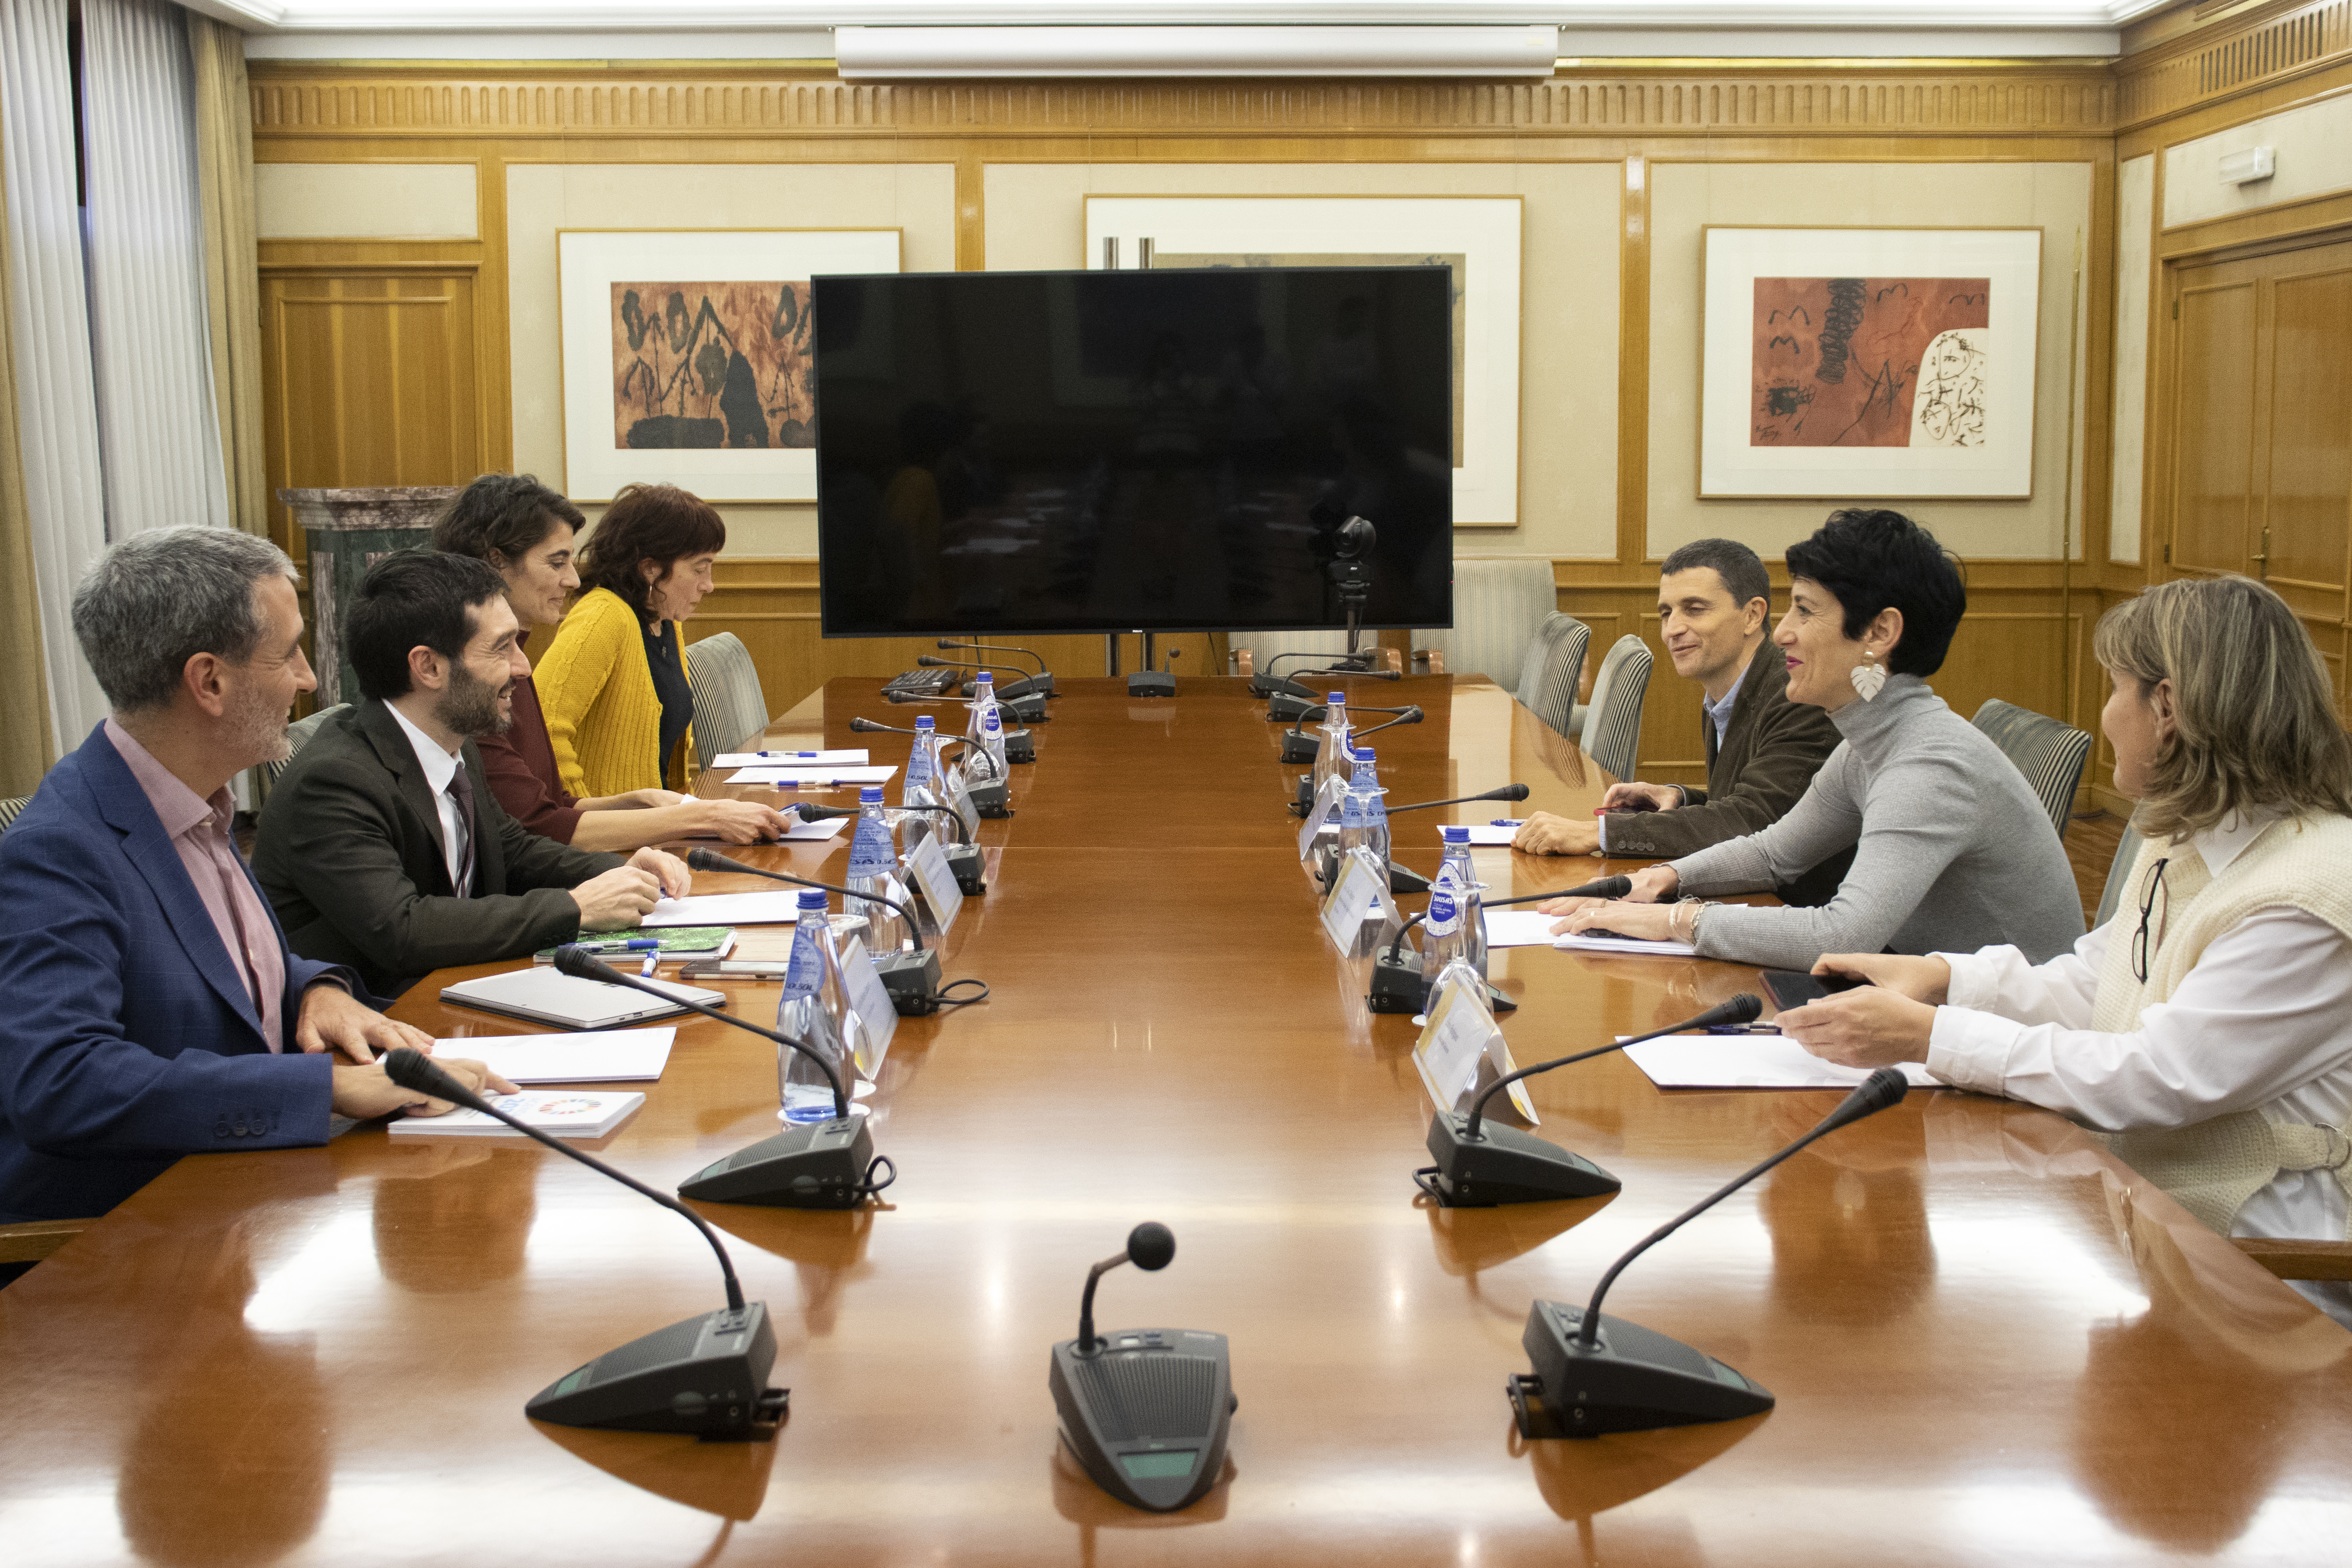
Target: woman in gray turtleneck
1952	850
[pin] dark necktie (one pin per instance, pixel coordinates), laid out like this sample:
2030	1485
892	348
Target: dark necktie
461	790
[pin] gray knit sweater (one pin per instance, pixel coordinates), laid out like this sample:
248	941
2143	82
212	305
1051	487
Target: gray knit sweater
1952	850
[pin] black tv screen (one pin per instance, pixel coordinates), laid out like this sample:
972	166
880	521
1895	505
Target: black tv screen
1003	452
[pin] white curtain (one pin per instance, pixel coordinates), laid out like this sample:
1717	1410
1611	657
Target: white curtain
56	403
150	339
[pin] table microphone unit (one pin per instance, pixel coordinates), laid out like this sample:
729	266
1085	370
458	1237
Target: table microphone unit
1595	1373
1155	682
814	1165
1397	985
1029	707
1041	683
1299	746
1145	1411
1481	1164
1020	745
1296	701
964	858
1265	683
707	1375
1403	879
911	978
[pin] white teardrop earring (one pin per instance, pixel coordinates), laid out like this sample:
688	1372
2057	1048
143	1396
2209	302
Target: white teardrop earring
1869	677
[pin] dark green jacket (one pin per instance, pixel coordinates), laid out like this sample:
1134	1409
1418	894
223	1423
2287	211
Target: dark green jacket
1771	750
350	853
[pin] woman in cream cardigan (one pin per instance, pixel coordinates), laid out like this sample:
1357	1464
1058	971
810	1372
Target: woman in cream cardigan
612	684
2206	1030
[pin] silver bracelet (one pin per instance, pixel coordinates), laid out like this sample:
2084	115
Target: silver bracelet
1695	906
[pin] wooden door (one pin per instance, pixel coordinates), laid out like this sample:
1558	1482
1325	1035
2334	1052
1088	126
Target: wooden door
2259	438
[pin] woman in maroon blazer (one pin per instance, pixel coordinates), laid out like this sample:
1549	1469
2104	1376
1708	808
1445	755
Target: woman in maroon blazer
526	531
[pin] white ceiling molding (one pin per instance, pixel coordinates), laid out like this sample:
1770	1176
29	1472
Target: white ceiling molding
901	54
429	16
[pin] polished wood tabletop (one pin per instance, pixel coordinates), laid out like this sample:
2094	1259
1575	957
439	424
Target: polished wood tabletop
1991	1342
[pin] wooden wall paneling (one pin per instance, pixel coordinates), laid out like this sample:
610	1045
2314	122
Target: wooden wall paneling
2168	72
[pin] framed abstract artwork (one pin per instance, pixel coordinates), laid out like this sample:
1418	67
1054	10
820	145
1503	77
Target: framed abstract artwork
1477	238
687	356
1878	364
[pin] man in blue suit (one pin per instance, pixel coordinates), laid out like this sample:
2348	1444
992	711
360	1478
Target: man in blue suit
153	1008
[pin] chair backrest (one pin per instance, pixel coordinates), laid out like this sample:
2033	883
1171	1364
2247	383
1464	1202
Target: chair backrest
12	808
1553	667
730	708
1498	606
2048	753
2119	873
297	736
1613	726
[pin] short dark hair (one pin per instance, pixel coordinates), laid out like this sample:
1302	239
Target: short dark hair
1875	560
506	515
647	523
409	598
1737	565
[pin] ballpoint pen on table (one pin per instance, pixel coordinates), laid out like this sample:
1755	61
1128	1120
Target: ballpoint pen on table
632	945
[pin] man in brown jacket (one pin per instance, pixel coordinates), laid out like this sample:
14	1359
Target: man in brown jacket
1762	749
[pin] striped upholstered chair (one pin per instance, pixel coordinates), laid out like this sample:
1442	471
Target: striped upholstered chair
12	808
1612	724
1499	605
730	708
2048	753
1552	669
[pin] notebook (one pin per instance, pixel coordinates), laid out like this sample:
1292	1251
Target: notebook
546	998
610	1056
670	943
561	1113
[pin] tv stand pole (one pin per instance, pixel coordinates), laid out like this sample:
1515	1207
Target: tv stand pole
1110	653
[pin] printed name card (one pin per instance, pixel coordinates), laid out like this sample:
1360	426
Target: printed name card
1327	801
935	879
877	1019
1461	1050
1355	892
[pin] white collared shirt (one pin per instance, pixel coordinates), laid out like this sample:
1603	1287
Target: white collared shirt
440	767
2262	1022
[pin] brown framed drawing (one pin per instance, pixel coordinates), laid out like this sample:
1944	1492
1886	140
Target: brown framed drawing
689	356
1879	363
1477	238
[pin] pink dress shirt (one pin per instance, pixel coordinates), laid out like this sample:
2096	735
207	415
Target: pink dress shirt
199	830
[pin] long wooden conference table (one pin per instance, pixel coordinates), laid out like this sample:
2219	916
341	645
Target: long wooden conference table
1991	1342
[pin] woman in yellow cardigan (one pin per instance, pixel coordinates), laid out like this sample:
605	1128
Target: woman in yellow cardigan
612	685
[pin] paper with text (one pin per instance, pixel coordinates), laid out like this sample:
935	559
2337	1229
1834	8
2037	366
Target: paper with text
870	1000
1747	1061
935	879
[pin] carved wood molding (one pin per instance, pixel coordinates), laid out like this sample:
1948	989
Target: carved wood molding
2240	53
302	101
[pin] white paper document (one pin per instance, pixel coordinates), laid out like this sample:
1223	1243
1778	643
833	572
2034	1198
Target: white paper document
1488	833
928	864
823	828
602	1056
727	909
1747	1061
1460	1050
564	1113
869	999
1518	928
1355	893
812	775
855	758
1587	942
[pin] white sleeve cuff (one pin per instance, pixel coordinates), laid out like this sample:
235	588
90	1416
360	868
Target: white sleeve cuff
1975	981
1969	1050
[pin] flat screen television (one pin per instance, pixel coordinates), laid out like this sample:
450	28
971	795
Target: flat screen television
1167	450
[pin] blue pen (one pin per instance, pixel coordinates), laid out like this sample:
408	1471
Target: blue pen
812	755
635	944
1507	822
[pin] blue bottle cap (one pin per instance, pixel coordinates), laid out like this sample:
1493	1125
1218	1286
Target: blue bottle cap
1455	835
811	898
985	679
869	794
1363	754
925	722
1336	697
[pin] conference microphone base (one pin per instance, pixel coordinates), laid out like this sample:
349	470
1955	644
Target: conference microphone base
1299	746
1306	796
1020	745
1632	1380
1027	709
913	981
1287	709
1402	880
1397	987
1028	686
816	1165
707	1375
971	869
991	801
1504	1165
1147	1411
1151	683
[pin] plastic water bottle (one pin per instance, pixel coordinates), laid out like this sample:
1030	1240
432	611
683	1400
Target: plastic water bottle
986	732
872	860
921	785
1372	806
1456	926
1332	756
811	1011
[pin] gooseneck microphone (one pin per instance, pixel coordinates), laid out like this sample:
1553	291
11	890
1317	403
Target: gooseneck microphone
707	1375
911	978
1145	1411
1027	704
1502	791
816	1165
1041	682
964	858
1481	1165
1292	701
1299	746
1396	978
1595	1373
1019	747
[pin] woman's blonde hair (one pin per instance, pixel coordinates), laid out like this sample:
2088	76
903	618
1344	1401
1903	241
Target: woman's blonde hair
2257	725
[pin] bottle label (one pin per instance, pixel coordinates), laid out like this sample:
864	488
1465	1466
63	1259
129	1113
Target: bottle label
1352	811
870	854
804	971
1442	912
988	721
919	765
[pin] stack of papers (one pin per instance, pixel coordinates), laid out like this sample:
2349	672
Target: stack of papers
602	1056
1588	942
855	758
1499	831
727	909
1747	1061
814	774
562	1114
1518	928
